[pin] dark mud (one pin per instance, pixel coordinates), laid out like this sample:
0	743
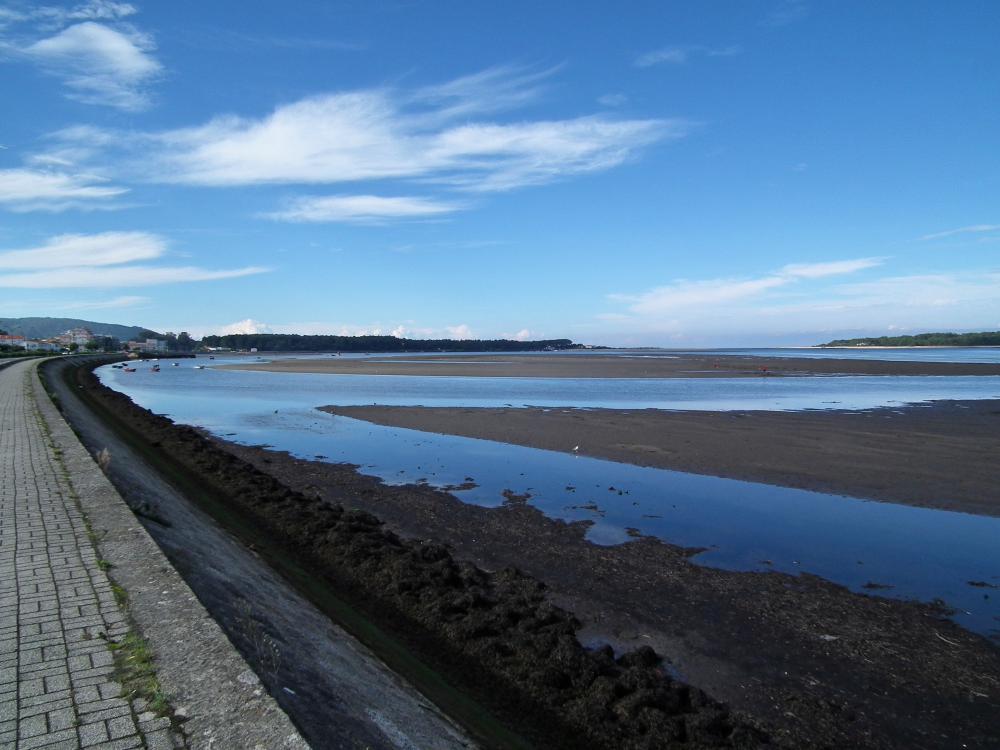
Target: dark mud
819	665
496	634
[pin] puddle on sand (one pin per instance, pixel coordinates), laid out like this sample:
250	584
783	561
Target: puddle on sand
918	552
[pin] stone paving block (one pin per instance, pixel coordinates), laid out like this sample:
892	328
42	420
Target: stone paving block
123	726
79	663
114	701
42	699
102	658
110	690
63	718
37	709
87	694
62	739
93	734
57	682
29	688
108	713
31	726
42	669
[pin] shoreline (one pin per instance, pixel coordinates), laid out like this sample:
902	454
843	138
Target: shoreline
940	457
612	366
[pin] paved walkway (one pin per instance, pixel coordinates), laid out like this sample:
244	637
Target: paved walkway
57	609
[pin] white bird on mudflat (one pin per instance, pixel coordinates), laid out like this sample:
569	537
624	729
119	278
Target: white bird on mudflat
576	448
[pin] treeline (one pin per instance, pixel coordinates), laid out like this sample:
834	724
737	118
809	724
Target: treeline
985	338
290	342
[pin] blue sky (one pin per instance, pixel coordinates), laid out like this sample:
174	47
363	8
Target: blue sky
659	173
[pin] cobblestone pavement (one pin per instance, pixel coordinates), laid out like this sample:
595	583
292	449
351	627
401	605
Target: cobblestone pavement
57	607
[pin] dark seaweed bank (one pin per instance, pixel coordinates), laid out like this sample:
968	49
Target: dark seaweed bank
493	634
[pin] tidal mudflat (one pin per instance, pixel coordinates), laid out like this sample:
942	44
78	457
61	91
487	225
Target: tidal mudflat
773	643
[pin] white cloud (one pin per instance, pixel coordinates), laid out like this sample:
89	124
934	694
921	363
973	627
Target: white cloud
460	332
32	189
974	229
377	134
523	335
685	294
248	325
491	90
80	250
101	261
362	209
99	64
833	268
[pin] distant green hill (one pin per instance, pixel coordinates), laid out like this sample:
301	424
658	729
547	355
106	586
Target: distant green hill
985	338
289	342
43	328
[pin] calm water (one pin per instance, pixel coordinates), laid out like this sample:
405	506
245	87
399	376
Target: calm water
715	394
920	553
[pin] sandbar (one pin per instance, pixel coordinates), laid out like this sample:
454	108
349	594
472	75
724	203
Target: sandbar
942	456
611	366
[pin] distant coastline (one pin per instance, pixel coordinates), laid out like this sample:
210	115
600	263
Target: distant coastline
938	340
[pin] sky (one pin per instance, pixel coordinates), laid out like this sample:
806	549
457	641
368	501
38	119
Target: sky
741	173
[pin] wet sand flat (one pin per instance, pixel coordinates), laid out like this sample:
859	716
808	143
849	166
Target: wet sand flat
610	366
942	456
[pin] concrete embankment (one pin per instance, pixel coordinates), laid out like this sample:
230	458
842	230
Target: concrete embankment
334	689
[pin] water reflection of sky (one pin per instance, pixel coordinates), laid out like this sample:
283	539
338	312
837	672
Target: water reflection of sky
714	394
921	553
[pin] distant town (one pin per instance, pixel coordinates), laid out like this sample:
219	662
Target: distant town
83	339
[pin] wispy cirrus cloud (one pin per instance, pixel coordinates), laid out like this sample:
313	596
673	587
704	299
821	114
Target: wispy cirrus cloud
99	58
450	135
120	276
688	294
974	229
101	261
24	190
360	209
680	54
79	250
